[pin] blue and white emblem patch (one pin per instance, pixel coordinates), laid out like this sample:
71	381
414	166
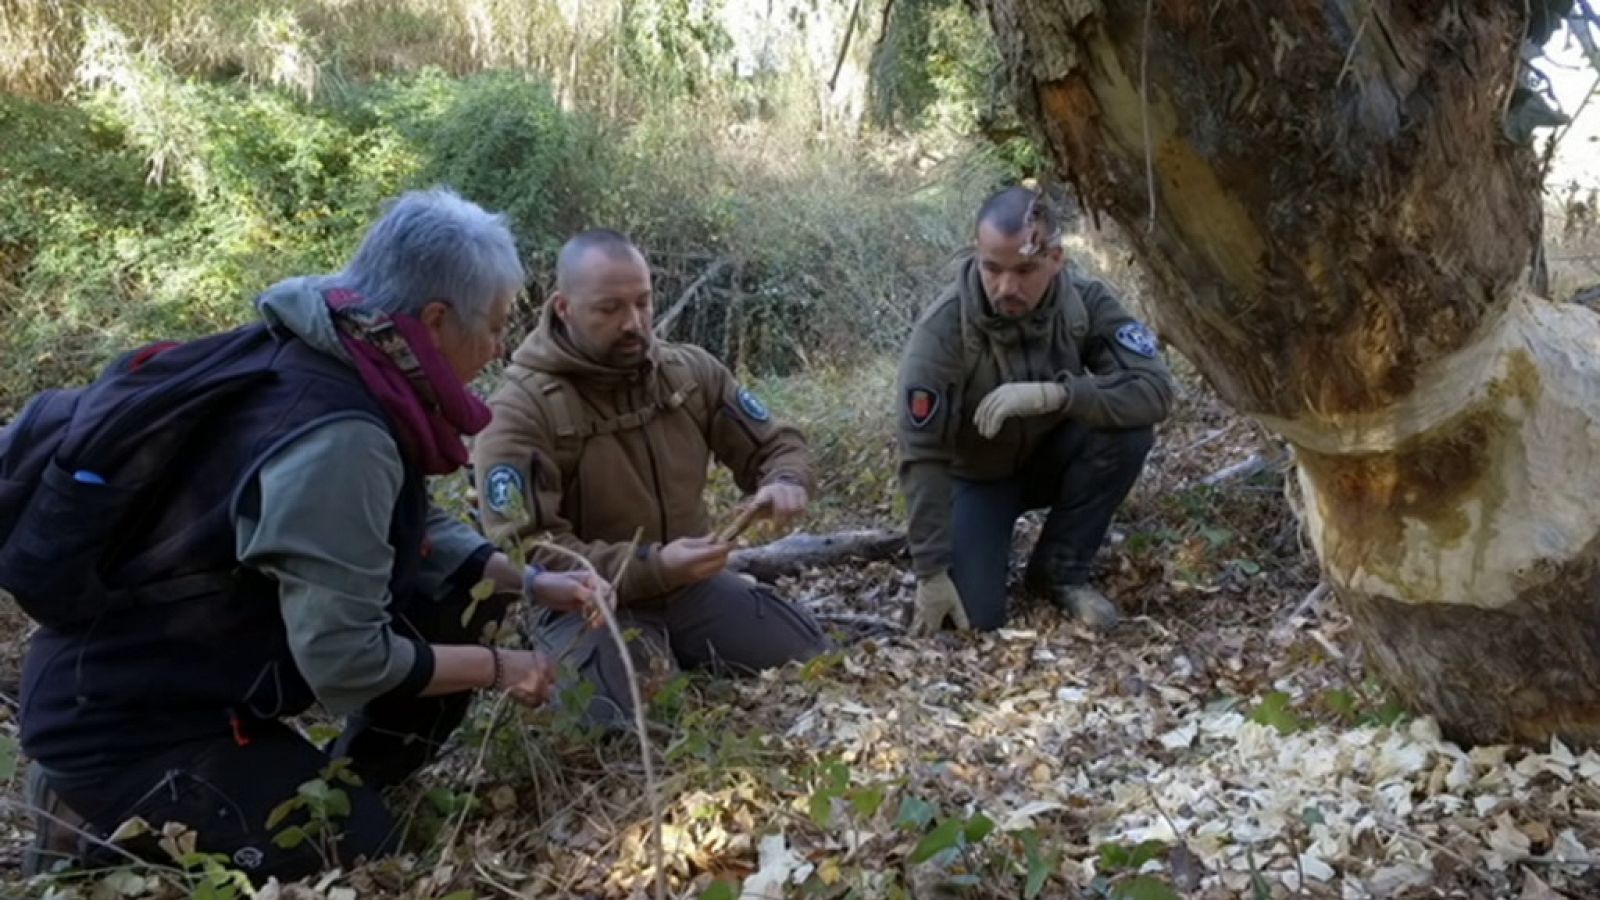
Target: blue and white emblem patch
1139	339
502	486
753	407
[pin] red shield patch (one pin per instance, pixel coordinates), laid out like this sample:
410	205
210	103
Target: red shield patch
922	404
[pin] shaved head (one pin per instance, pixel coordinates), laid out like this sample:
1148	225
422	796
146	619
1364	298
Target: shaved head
1019	250
572	264
604	299
1014	209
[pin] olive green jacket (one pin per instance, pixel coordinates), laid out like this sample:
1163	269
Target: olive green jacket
1080	336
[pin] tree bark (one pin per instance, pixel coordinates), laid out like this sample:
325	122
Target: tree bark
1338	238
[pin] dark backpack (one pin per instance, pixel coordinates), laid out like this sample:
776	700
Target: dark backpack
79	464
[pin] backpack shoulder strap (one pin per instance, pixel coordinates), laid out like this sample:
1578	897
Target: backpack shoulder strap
683	389
558	398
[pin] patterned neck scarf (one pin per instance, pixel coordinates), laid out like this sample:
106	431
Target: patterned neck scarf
429	409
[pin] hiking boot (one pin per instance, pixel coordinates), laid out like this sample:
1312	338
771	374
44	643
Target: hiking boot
1089	605
55	826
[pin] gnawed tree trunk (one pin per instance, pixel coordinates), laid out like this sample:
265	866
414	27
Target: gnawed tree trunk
1339	240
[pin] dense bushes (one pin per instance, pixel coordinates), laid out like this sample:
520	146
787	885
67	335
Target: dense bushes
154	205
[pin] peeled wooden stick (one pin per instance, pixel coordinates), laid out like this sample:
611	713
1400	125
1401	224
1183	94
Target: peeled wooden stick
739	524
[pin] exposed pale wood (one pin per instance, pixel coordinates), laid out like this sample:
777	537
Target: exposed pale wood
1338	235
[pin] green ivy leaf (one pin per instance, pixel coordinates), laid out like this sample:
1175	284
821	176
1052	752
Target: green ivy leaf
1340	702
1275	712
720	890
838	776
978	827
209	890
1390	713
1146	851
282	811
338	803
866	801
290	838
315	792
915	814
821	808
947	835
1114	857
320	733
1038	872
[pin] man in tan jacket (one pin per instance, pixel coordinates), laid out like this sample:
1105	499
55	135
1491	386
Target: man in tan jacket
600	431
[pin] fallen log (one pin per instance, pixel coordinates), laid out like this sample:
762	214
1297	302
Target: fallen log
800	551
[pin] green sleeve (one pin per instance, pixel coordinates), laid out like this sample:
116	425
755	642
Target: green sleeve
928	409
318	524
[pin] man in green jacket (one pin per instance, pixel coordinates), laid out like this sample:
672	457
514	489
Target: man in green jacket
1023	386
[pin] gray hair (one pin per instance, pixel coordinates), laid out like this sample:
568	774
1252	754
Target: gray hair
434	245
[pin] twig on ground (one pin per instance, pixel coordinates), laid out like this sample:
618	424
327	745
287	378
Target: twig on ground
652	791
1253	465
1310	605
477	773
30	809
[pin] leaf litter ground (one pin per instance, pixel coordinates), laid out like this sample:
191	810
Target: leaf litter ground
1221	743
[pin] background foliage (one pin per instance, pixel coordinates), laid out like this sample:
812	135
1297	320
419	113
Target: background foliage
165	160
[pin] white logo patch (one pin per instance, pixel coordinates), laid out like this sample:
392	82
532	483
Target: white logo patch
504	483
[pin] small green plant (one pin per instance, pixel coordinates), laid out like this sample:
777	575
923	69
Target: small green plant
1274	710
324	805
212	878
1119	876
1368	705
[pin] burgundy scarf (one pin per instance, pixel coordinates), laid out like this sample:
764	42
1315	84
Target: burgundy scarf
429	408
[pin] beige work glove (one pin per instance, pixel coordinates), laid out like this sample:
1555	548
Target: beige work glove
937	599
1019	399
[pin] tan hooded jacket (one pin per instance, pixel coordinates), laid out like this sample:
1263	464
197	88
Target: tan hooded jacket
596	452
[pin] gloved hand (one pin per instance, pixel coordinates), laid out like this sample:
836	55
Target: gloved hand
937	598
1021	398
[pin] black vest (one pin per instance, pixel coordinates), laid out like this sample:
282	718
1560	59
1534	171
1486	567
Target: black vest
205	657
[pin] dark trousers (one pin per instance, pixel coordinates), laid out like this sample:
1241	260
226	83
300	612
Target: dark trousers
722	623
1081	475
225	788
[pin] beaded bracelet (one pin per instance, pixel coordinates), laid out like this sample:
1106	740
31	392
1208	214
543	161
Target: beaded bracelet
499	682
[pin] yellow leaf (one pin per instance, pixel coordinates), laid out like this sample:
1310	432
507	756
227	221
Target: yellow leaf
829	872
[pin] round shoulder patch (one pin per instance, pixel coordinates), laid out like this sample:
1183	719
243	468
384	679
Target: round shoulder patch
1139	339
753	407
502	487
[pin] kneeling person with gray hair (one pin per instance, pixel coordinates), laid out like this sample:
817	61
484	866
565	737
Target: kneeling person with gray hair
296	558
